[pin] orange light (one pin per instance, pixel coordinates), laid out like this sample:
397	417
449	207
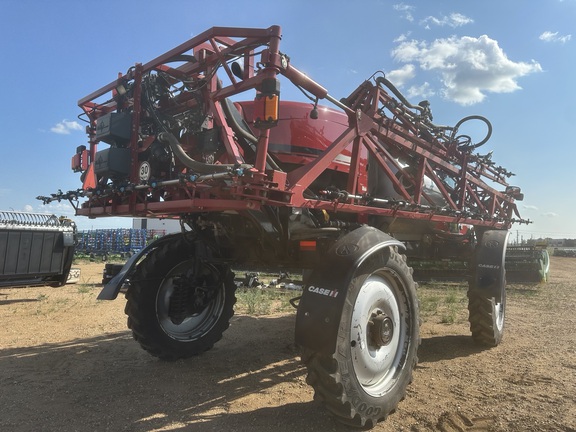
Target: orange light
271	108
75	164
80	161
307	245
266	110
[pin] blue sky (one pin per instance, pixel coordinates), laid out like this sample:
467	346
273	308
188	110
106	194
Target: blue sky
512	61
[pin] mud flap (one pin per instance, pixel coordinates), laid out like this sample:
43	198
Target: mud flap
112	288
324	292
489	271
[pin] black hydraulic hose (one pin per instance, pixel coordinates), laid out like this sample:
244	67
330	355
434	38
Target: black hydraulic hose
197	167
200	167
182	58
244	132
421	109
194	165
235	124
240	130
393	89
478	144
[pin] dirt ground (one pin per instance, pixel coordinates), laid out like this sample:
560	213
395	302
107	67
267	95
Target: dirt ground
68	363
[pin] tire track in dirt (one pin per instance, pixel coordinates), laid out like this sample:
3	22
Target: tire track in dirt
458	422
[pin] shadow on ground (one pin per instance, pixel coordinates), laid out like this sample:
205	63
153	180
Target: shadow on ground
447	347
109	383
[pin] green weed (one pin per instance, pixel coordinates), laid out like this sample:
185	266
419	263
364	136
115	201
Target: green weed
85	288
429	304
450	314
446	302
258	301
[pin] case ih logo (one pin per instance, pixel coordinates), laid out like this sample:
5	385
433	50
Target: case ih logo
346	249
323	291
492	244
489	266
102	125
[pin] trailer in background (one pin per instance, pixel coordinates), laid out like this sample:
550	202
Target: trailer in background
35	249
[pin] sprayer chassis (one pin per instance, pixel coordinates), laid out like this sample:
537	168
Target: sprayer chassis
260	183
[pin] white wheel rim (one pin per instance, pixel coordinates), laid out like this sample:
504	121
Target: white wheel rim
376	364
499	312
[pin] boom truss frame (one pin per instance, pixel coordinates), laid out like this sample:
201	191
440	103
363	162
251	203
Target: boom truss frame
392	133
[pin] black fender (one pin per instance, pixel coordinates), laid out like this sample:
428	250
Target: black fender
324	291
112	288
489	272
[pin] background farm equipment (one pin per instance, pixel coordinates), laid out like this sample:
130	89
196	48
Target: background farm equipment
343	193
565	252
124	242
35	249
528	264
524	264
105	242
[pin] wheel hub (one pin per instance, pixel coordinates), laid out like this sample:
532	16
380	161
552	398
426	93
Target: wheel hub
190	296
381	329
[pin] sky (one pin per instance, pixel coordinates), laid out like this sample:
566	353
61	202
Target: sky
511	61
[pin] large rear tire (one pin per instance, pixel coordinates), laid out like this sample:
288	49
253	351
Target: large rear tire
376	347
178	306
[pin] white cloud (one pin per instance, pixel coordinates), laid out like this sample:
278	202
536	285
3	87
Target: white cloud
550	214
65	127
549	36
406	10
529	207
423	91
62	208
398	77
402	7
402	37
453	20
469	67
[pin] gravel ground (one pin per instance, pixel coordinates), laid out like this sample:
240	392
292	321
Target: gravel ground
68	363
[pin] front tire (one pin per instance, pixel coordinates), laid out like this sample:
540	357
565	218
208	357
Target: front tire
377	342
177	305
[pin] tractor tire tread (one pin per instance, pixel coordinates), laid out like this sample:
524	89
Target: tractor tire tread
157	263
481	319
329	388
